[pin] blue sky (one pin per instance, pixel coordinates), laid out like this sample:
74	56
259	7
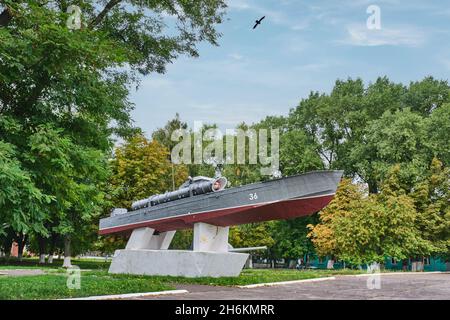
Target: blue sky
301	46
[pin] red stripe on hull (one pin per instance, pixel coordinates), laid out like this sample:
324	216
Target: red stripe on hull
234	216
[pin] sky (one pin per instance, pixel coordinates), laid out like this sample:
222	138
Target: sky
300	46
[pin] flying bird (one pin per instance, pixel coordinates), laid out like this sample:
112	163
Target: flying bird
258	22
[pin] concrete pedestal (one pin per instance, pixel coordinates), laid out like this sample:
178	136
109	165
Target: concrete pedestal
178	263
146	254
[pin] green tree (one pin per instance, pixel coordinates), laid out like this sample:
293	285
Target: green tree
427	95
395	138
290	236
251	235
21	201
337	123
361	229
67	90
75	184
438	133
432	200
164	135
298	154
141	168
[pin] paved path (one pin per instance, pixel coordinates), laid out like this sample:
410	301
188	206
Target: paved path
21	272
402	286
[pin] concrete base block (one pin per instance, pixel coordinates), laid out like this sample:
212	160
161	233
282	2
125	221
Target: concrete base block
178	263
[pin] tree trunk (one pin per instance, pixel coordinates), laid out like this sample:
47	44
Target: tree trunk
41	241
373	186
51	249
67	259
5	17
21	240
330	264
7	244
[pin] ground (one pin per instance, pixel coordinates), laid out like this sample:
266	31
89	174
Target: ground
427	286
29	280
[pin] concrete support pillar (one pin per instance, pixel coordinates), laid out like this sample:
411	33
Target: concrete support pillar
144	238
249	262
208	237
147	254
161	241
140	239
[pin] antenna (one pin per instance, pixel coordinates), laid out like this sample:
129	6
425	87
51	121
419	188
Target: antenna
218	166
173	178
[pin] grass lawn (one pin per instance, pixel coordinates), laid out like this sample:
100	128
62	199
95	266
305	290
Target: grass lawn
95	280
54	286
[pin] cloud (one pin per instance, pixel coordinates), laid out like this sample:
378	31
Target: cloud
228	114
235	56
302	25
291	44
445	12
360	35
274	16
312	67
446	63
156	83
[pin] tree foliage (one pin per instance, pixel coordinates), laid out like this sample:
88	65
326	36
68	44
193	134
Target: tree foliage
251	235
360	228
358	127
64	97
141	168
432	200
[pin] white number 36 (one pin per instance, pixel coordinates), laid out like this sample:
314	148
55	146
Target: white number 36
253	196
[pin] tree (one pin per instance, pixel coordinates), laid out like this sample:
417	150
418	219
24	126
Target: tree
361	229
337	123
290	236
75	183
395	138
21	201
323	234
182	240
141	168
438	133
164	135
251	235
243	173
69	89
128	25
298	154
432	200
427	95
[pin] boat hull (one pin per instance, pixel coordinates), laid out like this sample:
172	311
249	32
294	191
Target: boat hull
283	198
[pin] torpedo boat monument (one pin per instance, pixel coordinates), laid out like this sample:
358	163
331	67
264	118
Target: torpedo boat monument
203	204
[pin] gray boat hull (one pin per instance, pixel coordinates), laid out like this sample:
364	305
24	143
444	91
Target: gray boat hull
282	198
